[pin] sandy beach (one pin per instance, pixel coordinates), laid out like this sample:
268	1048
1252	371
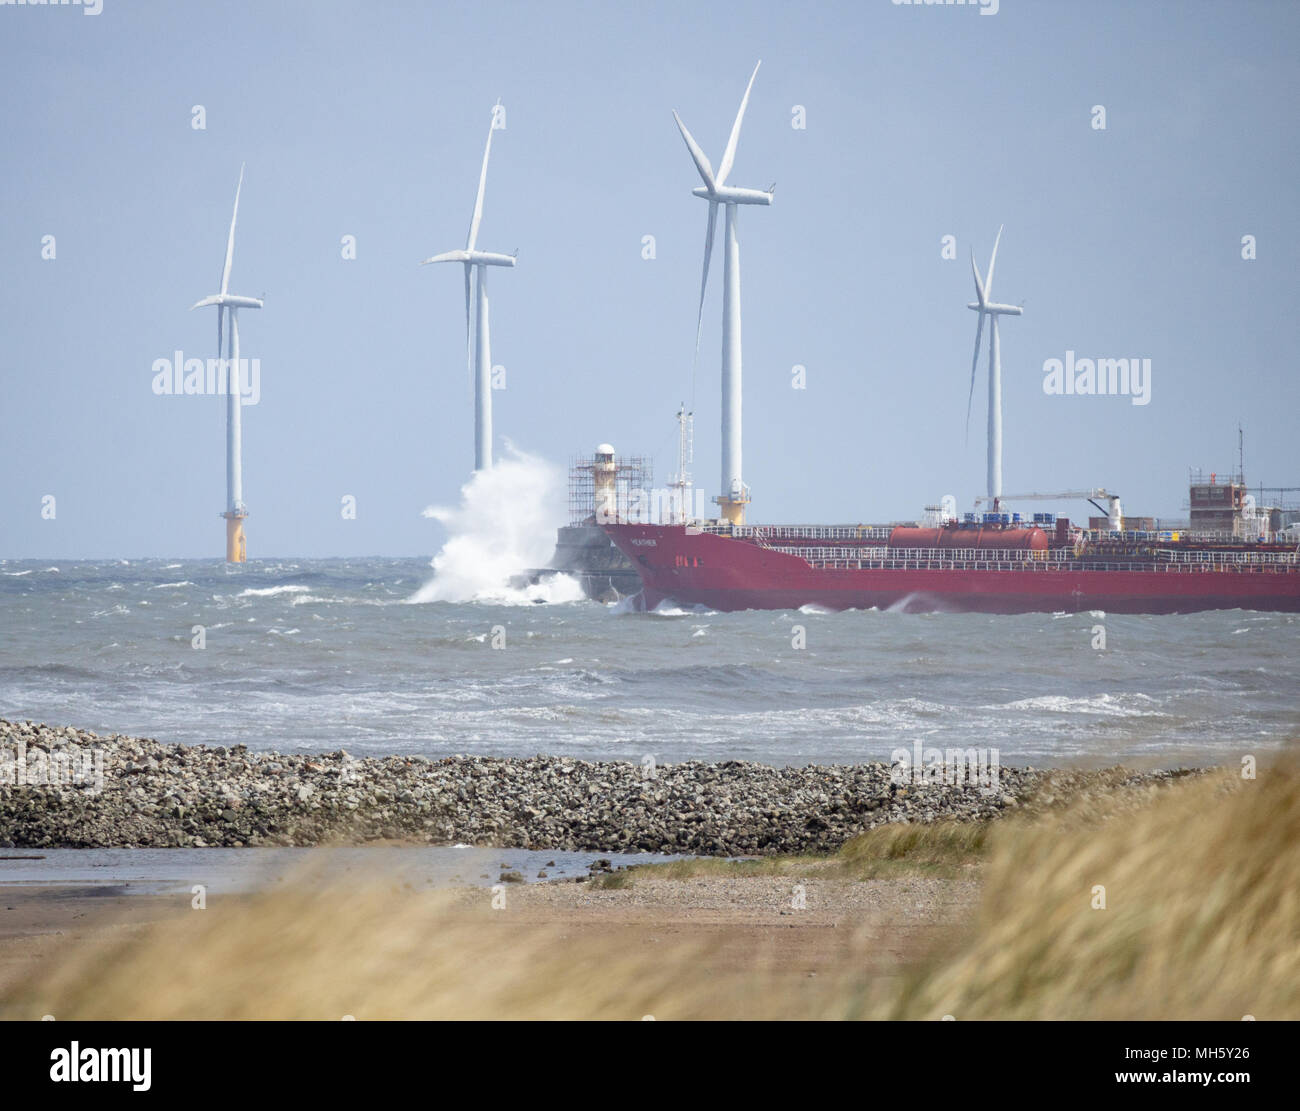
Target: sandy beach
737	922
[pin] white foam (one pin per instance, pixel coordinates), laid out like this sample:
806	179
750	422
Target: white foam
272	591
669	608
1104	704
504	525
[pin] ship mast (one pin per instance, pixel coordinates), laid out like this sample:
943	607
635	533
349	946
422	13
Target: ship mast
682	483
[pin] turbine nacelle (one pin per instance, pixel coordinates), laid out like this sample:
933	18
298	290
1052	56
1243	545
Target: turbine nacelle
730	194
228	301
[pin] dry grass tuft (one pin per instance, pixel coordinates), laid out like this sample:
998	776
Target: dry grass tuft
1201	918
937	848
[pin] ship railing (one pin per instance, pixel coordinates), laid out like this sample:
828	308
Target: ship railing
1004	555
800	532
1230	557
1185	535
1003	559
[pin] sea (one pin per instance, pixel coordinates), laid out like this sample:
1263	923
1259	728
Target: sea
376	656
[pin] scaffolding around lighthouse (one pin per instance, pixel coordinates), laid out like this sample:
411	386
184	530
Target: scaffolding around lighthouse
607	489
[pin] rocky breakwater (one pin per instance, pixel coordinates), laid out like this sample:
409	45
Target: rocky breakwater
151	794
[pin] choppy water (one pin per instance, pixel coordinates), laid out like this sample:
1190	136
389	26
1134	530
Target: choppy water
328	654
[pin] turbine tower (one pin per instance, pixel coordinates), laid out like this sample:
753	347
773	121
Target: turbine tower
228	306
985	307
478	355
735	494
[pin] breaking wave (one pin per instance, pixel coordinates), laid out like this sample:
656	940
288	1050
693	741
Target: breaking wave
504	525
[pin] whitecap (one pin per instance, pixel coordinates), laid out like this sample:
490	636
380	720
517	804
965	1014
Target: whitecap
273	591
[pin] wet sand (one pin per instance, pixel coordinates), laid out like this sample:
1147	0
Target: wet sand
741	922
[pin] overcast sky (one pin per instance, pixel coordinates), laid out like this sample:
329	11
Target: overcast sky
369	119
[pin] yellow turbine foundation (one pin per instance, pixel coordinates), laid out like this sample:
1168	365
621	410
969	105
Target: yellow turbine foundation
235	549
733	509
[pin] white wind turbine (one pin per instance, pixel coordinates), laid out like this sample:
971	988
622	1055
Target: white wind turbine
716	191
985	307
479	260
229	303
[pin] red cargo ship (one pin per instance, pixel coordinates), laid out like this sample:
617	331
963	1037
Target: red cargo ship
985	567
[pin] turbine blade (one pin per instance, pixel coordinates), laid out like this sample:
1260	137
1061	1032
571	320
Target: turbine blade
478	201
729	156
230	242
704	278
700	158
988	285
447	256
975	362
979	283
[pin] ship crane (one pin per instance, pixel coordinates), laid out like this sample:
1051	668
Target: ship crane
1113	510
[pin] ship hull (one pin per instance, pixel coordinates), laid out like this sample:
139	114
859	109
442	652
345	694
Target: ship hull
694	568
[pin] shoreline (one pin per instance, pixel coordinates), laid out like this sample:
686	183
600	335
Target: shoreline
159	795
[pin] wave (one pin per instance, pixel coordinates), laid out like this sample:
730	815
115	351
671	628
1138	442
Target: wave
503	527
273	591
1104	704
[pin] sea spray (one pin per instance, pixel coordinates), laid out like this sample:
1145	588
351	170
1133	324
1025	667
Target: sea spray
505	524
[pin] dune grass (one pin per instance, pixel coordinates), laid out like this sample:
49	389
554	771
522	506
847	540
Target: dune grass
946	849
